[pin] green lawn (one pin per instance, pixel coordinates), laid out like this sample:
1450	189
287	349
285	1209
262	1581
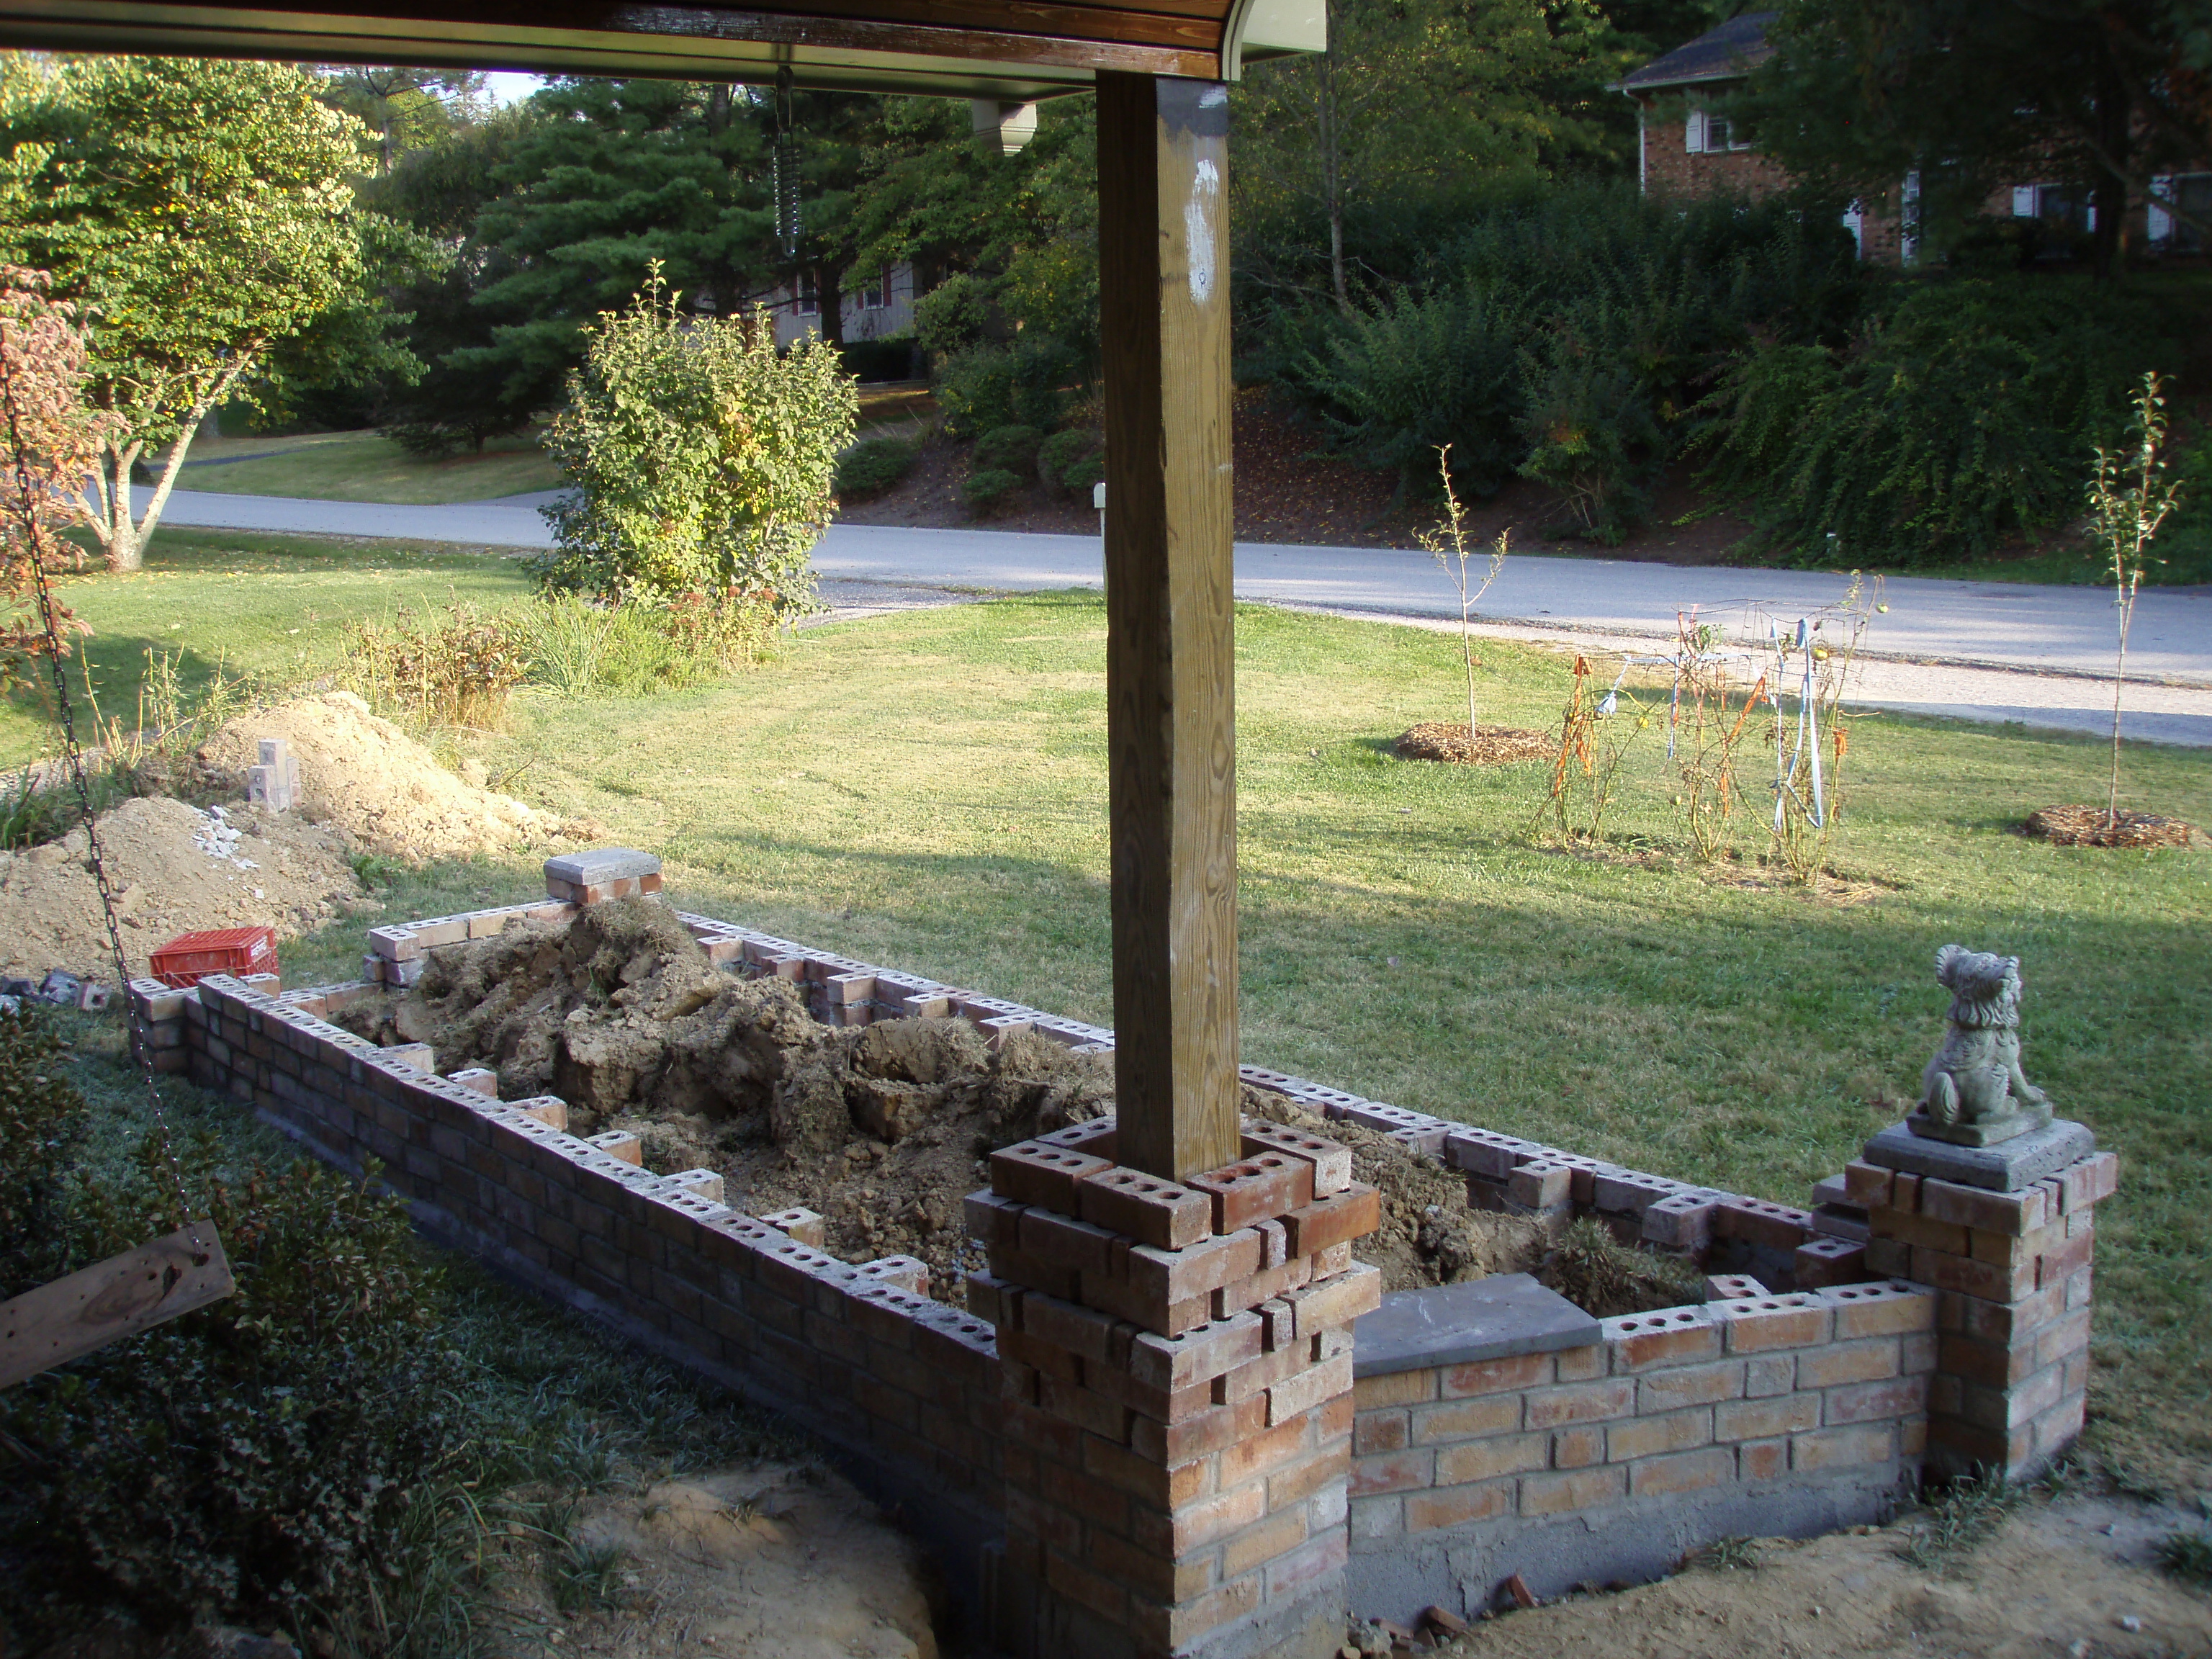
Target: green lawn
362	466
927	791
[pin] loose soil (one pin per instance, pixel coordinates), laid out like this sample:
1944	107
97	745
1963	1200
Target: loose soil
373	786
174	869
772	1561
1480	745
2093	826
882	1129
2055	1578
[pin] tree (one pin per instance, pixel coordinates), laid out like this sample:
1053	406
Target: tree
197	214
1971	93
704	460
1413	101
609	177
2130	497
405	108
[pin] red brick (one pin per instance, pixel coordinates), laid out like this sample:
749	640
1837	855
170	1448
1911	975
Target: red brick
1778	1227
1763	1460
1143	1479
2057	1265
1465	1419
1201	1523
1582	1489
1486	1460
1164	1276
1290	1482
1116	1297
1278	1534
1824	1261
1775	1321
1091	1412
1495	1376
1402	1472
1986	1280
1258	1188
1830	1449
1878	1309
1161	1214
1161	1405
1265	1448
1047	1359
1213	1430
1079	1585
1262	1371
1331	1160
1352	1213
1580	1402
1691	1471
1175	1362
1452	1506
2090	1182
1068	1325
1578	1449
1064	1242
1865	1402
1332	1303
1867	1185
1033	1173
1762	1420
1165	1628
2012	1213
1393	1388
1299	1395
1292	1574
1692	1385
1674	1336
1648	1436
1148	1574
1867	1361
1919	1231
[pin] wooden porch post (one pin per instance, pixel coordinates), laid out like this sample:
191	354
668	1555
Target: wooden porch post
1163	278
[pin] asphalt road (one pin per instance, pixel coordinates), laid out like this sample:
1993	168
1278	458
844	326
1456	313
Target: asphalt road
1933	637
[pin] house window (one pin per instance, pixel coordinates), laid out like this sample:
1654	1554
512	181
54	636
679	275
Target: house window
875	294
807	295
1710	134
2192	193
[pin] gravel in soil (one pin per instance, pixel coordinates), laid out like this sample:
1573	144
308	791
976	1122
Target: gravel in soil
881	1129
1481	745
2095	826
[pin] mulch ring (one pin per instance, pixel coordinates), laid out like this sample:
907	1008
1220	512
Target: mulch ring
2093	826
1488	745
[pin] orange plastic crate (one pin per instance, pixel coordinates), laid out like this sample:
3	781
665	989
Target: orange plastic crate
185	961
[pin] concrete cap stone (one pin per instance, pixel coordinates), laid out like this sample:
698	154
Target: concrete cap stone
602	864
2005	1167
1494	1318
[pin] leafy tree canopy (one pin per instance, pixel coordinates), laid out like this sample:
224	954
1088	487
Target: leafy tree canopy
198	212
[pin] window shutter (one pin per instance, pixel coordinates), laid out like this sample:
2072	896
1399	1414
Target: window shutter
2023	201
1693	132
2158	224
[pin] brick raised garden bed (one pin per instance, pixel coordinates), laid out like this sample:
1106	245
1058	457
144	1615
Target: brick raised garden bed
1112	1469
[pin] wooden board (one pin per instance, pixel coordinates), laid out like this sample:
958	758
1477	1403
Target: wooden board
111	1300
1170	666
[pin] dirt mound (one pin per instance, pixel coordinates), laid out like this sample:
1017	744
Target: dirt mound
175	869
1488	745
883	1129
372	784
2092	826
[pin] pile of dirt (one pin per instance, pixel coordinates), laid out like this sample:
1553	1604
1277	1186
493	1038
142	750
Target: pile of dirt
372	785
1485	746
2093	826
881	1129
174	869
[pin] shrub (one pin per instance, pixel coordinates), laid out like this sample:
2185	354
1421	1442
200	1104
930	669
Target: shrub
873	465
1074	459
952	316
252	1461
41	1119
987	491
1022	384
1955	422
891	358
704	459
1009	448
457	669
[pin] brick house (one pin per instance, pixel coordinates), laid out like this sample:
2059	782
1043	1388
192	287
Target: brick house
1683	150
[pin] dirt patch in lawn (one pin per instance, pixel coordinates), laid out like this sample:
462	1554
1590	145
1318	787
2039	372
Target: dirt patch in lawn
2075	1576
1480	745
174	869
881	1129
373	786
2093	826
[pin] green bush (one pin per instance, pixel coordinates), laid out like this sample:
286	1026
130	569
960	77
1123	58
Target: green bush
873	465
1009	448
254	1461
989	490
989	387
1957	422
704	459
1075	459
872	362
453	668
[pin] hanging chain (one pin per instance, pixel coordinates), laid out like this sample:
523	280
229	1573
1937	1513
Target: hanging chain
26	509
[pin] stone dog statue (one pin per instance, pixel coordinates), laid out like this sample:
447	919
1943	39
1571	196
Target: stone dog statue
1973	1092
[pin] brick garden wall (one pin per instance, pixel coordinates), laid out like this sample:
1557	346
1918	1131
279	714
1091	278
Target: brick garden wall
1796	1400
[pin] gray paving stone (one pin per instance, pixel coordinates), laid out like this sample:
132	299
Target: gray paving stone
602	864
1458	1324
2005	1167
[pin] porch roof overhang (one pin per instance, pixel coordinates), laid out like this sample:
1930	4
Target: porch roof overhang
1009	50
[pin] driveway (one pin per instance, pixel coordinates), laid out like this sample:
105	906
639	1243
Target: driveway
1982	651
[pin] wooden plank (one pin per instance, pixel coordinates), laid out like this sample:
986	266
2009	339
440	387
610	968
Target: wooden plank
1171	669
111	1300
881	43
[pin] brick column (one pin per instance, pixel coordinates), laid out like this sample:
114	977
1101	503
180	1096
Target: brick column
2011	1267
1178	1366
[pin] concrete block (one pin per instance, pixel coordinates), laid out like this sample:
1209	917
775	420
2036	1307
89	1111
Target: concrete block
1492	1318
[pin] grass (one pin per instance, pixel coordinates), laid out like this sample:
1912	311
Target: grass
362	466
928	792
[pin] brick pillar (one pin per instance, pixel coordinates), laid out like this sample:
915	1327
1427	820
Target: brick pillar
2011	1263
1178	1366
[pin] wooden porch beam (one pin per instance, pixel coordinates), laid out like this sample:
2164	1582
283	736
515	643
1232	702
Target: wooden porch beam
1170	671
